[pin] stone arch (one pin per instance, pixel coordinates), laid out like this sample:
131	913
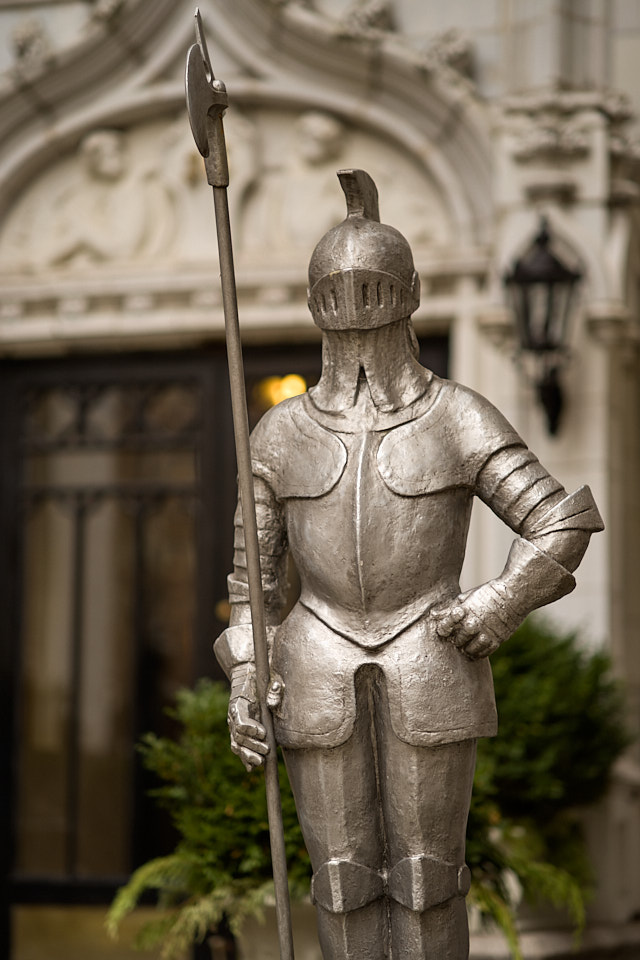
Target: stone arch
422	124
430	113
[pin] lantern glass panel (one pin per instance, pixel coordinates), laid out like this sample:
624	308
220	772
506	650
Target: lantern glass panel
541	311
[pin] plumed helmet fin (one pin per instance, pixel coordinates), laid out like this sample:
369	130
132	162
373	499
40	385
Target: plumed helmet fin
361	194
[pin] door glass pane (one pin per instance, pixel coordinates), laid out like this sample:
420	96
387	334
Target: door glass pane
111	484
106	693
169	575
46	671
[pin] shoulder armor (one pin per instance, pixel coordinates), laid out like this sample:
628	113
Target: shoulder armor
294	454
447	446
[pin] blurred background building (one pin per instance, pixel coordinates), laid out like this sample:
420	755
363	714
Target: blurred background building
476	118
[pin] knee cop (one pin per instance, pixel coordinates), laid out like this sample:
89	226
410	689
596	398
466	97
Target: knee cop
418	883
340	886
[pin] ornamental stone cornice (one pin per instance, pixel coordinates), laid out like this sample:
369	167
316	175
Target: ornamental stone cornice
156	308
566	149
613	104
550	141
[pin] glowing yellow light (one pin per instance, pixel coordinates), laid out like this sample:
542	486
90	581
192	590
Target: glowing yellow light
273	390
292	385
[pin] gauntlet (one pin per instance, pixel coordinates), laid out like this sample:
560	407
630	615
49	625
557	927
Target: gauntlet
481	619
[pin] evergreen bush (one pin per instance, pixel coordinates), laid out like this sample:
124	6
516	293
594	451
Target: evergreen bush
561	729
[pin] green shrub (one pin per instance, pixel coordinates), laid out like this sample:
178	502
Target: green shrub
221	867
560	731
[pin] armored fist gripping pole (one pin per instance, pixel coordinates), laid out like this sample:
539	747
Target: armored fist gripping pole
206	103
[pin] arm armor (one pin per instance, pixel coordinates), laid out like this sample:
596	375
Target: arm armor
554	529
235	645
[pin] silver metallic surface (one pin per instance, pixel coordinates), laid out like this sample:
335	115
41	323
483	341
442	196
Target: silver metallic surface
206	102
380	682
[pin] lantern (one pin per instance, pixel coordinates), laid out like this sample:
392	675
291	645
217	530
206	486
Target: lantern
541	289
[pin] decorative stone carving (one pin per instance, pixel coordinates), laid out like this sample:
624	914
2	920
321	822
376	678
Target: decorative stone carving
182	174
552	140
365	16
625	168
614	105
452	48
105	10
305	175
32	49
120	200
295	187
151	277
138	196
111	211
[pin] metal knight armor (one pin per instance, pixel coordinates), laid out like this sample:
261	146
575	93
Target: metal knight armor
378	537
380	670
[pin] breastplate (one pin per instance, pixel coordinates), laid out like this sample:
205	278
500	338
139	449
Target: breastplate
377	512
372	561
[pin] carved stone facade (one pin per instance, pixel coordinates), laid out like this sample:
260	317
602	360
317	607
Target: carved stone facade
473	123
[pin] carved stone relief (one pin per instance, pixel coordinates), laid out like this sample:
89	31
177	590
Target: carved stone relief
295	198
110	201
138	196
453	48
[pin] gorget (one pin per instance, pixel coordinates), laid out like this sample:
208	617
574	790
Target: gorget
379	367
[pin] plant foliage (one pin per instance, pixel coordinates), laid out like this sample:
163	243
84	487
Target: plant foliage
221	867
560	731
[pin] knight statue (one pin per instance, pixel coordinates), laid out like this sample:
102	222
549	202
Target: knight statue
380	678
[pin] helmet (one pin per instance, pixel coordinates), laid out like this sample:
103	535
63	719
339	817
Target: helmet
361	273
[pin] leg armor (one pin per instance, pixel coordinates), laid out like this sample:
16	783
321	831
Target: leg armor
384	823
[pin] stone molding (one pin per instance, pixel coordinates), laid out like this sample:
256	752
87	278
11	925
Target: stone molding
613	104
159	309
552	140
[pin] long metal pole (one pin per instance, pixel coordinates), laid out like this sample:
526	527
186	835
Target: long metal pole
256	598
206	103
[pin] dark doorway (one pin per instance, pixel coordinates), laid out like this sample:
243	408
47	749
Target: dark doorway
118	494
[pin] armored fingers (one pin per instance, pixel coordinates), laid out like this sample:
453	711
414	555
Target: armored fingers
554	529
234	647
